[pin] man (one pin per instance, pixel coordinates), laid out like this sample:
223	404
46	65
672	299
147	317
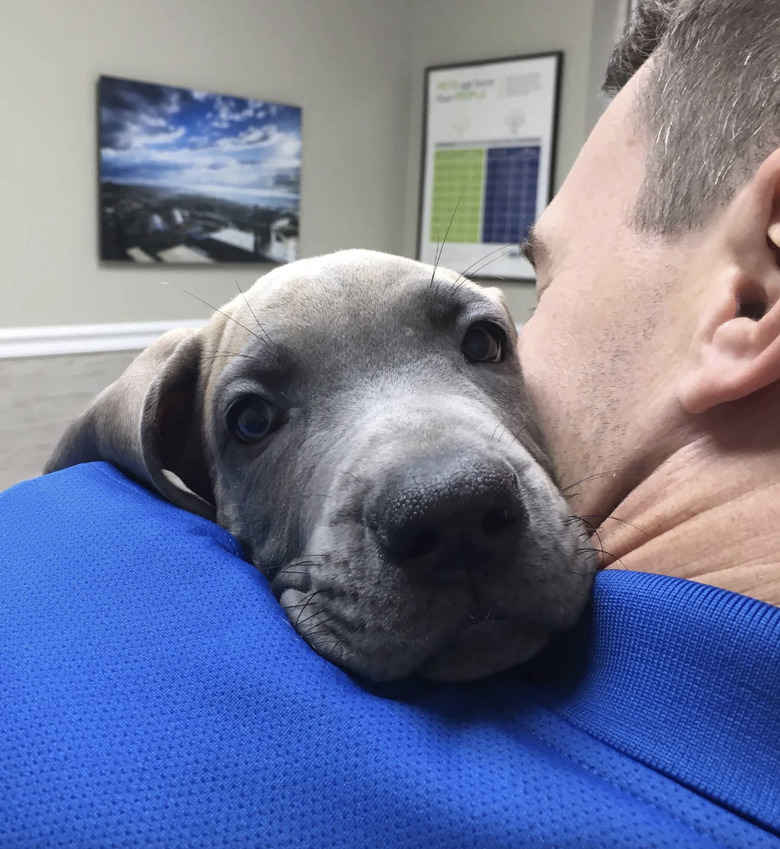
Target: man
152	693
658	320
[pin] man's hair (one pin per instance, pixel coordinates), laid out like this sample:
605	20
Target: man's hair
710	107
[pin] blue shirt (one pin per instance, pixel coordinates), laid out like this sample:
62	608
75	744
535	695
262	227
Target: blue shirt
152	693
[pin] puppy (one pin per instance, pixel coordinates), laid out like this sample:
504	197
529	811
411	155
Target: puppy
358	422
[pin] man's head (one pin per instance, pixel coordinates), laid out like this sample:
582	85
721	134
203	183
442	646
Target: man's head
657	265
709	109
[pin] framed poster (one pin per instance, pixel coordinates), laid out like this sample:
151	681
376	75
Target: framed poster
488	155
192	177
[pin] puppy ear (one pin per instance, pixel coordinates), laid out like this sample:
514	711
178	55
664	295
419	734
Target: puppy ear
147	424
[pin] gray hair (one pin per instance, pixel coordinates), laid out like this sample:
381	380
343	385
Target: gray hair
710	106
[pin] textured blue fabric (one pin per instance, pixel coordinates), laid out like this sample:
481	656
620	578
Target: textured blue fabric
153	694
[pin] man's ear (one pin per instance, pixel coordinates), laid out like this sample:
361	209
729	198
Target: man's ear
736	347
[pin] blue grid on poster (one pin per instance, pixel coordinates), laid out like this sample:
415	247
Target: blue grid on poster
511	184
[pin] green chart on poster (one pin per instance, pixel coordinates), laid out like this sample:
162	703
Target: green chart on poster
457	185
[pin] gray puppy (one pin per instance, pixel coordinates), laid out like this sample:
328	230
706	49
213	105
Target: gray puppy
358	422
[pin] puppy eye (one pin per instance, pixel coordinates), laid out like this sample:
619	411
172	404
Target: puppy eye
484	342
252	418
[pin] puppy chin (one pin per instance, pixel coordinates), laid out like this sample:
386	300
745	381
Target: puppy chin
484	649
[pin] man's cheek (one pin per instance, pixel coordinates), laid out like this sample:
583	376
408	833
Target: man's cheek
535	360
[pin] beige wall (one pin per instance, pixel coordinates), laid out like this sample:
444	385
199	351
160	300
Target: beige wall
346	62
355	66
40	396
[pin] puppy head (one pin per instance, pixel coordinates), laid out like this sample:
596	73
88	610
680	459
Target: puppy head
359	423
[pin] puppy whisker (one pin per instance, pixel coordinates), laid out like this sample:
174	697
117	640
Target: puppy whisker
440	246
504	430
354	477
301	607
611	518
604	553
288	569
320	626
565	489
293	573
470	269
217	309
249	307
475	271
301	622
230	355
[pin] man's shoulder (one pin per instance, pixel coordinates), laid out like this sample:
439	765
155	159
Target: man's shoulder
681	678
153	690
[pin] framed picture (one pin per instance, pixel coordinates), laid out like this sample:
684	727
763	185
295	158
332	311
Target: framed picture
488	156
192	177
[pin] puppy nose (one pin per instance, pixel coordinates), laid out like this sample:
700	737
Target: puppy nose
449	514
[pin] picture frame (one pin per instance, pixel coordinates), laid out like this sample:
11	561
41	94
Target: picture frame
488	161
190	177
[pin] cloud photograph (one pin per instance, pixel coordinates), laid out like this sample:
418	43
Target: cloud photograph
190	177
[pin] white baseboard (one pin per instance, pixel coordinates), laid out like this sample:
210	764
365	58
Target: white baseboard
88	338
84	338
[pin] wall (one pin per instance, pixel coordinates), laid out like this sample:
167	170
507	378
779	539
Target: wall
609	19
41	395
346	62
355	66
450	31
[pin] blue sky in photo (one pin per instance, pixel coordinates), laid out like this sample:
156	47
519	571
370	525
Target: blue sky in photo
242	150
